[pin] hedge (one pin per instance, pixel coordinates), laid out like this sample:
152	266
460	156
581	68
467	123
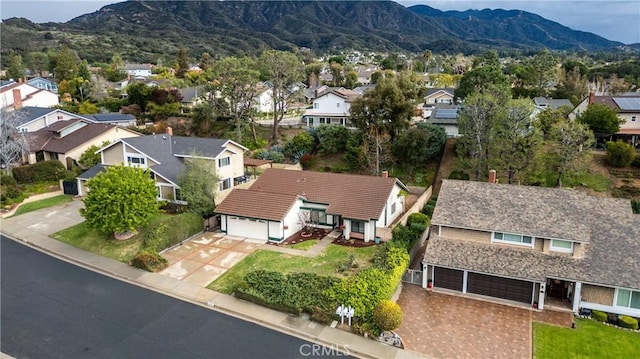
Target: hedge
174	230
149	260
44	171
626	321
418	217
599	316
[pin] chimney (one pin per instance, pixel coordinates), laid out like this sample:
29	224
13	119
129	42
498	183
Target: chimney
17	99
492	176
20	80
169	131
385	173
592	98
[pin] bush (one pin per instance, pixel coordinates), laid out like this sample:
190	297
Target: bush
620	153
420	218
417	228
172	231
302	142
636	162
599	316
10	191
626	321
404	237
331	139
387	315
635	206
44	171
149	260
306	161
428	209
459	175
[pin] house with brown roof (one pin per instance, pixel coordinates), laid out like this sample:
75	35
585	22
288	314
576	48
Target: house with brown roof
331	106
545	247
66	140
280	202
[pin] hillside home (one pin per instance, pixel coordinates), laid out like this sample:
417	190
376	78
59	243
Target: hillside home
164	156
331	107
192	96
628	109
446	117
44	84
138	71
280	202
17	95
66	140
113	118
436	97
545	247
31	119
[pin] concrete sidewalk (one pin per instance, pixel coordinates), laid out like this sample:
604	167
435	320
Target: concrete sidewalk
290	324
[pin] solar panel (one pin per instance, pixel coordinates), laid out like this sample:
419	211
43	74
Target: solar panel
627	103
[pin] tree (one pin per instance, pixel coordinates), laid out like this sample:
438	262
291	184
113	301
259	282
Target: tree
351	79
426	57
336	74
543	72
206	62
120	200
14	145
66	65
234	92
617	85
387	315
549	117
139	94
16	67
183	63
572	85
90	157
38	62
620	154
115	70
476	120
487	78
517	139
283	70
198	185
568	148
601	119
417	145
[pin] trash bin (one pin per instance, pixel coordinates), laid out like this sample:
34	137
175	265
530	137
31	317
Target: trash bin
377	240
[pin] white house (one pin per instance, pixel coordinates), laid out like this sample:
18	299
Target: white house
20	94
331	107
280	202
139	71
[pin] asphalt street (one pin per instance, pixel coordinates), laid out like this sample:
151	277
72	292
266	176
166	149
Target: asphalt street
54	309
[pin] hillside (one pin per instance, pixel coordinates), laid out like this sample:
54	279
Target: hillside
148	30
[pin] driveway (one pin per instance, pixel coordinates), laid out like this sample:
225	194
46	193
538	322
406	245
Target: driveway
449	326
203	259
50	220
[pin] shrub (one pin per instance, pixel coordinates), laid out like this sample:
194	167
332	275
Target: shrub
306	161
404	237
302	142
459	175
428	209
635	206
10	191
149	260
636	162
418	228
331	139
387	315
40	172
620	153
172	231
599	316
626	321
420	218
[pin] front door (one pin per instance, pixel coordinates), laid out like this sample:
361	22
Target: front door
557	288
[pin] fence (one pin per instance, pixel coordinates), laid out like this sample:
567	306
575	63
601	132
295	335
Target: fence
412	276
417	207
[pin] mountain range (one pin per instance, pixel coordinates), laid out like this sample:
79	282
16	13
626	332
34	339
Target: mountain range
146	30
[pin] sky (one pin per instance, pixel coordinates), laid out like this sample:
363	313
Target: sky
617	20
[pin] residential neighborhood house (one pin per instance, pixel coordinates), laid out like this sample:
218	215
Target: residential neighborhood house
138	71
44	84
446	117
436	97
280	202
113	118
20	94
540	246
331	106
66	140
164	155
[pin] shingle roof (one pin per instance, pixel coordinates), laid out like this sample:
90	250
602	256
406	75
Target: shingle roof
255	204
552	103
92	172
111	117
352	196
433	90
608	228
28	113
47	140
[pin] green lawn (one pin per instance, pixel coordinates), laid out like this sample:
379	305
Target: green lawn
324	264
303	246
590	339
87	238
43	203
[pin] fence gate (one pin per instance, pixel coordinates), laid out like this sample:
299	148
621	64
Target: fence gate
412	276
70	187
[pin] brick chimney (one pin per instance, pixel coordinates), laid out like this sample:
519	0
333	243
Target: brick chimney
385	173
592	98
169	131
17	99
492	176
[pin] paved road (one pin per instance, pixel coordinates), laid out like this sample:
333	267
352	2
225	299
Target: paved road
53	309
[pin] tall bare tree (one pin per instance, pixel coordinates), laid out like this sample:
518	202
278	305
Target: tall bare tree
14	145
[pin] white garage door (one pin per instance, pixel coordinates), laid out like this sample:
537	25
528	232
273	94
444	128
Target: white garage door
250	228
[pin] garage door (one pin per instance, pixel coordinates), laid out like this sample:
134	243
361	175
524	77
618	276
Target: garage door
505	288
250	228
447	278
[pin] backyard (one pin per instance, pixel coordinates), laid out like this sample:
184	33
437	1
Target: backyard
590	339
327	263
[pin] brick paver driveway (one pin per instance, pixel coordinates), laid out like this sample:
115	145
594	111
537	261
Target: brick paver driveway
449	326
203	259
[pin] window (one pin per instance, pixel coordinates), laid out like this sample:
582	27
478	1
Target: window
316	105
628	299
136	161
225	184
559	245
338	105
357	226
225	161
319	217
512	239
393	208
634	118
54	156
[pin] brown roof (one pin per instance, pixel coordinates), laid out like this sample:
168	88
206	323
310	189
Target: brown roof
255	162
351	196
262	205
45	138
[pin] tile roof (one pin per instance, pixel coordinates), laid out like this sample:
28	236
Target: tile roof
352	196
254	204
606	226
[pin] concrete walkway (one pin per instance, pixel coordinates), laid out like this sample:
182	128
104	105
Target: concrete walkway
36	237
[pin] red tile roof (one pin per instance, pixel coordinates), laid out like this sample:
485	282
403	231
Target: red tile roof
351	196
